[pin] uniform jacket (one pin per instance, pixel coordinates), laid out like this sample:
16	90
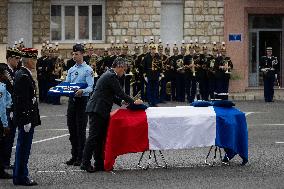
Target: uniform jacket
107	92
5	102
25	102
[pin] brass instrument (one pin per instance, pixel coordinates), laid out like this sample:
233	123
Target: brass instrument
58	68
156	64
93	63
193	67
165	65
227	67
180	65
130	65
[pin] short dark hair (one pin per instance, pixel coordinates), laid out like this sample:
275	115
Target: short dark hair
119	62
78	47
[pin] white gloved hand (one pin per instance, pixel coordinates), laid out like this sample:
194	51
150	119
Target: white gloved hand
27	127
160	78
11	115
146	79
276	76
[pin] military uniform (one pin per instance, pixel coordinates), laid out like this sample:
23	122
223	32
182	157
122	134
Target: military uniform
222	75
269	67
5	102
76	116
152	70
26	117
180	76
10	75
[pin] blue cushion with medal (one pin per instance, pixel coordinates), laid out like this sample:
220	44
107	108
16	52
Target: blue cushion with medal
137	107
223	103
201	104
66	89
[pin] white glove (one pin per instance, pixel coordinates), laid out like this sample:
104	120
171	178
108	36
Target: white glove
276	76
27	127
11	115
146	79
160	78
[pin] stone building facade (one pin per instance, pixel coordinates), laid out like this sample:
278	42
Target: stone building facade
171	20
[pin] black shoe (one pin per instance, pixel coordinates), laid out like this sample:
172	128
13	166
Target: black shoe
225	159
77	163
88	168
9	167
28	182
70	161
5	175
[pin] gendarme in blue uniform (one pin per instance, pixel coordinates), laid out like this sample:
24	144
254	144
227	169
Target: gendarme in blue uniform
76	116
81	73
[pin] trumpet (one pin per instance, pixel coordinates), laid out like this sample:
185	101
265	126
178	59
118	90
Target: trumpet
180	65
156	64
227	67
93	62
193	67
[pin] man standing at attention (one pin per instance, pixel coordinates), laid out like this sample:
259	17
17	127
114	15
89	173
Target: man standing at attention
76	116
26	115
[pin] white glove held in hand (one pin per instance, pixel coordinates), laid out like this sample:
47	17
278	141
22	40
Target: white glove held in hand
27	127
146	79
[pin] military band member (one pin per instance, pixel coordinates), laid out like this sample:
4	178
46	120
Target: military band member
140	66
190	73
76	116
26	116
125	81
163	81
168	50
5	103
13	56
202	73
211	72
152	70
180	76
222	74
269	67
172	71
41	70
136	81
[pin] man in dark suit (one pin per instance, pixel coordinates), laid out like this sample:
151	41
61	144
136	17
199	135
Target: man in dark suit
26	116
107	92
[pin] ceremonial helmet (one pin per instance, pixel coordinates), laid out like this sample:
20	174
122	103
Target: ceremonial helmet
160	46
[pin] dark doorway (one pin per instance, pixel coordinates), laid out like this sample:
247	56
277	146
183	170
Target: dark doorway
271	39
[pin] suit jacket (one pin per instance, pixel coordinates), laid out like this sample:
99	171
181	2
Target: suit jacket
25	102
107	92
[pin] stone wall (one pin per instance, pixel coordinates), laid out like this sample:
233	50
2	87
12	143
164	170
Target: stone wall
3	21
132	19
204	20
41	21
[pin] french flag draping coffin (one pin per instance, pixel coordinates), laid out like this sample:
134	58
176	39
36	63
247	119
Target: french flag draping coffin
182	127
66	89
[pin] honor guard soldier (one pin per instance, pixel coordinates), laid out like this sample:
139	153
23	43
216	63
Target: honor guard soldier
269	67
172	71
13	57
163	82
152	70
26	115
190	73
202	75
180	77
222	74
76	116
5	103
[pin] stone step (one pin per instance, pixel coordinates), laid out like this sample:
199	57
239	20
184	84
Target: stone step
256	94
